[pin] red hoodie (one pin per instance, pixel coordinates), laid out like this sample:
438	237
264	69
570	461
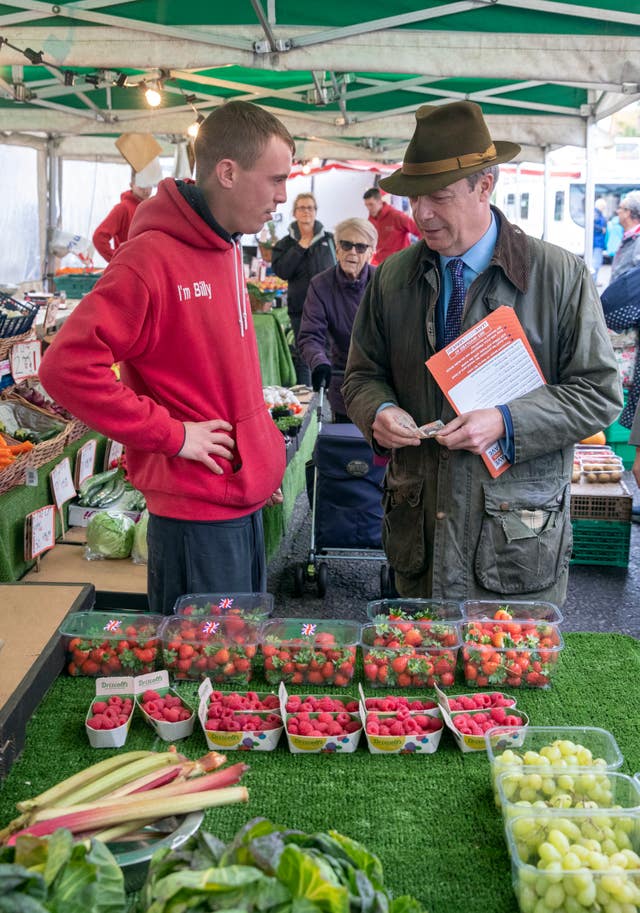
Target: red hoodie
115	227
394	232
172	308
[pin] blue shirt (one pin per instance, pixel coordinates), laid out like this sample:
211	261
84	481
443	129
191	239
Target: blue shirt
476	259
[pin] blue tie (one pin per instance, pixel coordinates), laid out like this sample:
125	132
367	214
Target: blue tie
456	301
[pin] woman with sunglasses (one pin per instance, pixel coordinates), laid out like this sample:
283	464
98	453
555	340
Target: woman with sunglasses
306	250
330	308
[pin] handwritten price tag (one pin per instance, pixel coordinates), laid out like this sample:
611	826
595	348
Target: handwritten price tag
112	454
51	314
61	483
25	359
85	462
39	532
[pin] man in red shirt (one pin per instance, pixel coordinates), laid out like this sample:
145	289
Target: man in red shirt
394	227
114	229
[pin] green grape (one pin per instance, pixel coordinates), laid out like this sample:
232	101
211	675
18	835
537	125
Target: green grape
566	783
548	853
581	880
584	756
571	861
586	897
551	753
527	898
554	897
561	800
558	840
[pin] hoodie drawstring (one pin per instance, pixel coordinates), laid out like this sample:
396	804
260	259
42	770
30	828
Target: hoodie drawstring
241	295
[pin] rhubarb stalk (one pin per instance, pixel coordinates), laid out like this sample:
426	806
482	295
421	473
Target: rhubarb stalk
147	807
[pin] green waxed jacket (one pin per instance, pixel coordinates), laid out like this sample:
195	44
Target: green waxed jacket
450	530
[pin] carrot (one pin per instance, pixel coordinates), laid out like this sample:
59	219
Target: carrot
25	447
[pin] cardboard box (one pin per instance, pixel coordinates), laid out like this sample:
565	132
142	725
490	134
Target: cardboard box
252	740
106	688
425	743
301	744
80	516
159	682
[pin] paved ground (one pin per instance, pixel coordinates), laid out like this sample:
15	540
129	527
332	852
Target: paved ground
599	598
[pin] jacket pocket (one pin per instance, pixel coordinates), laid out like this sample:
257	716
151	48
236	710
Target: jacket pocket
525	537
403	536
259	461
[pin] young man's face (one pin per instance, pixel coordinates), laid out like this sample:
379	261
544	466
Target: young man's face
257	191
374	206
453	219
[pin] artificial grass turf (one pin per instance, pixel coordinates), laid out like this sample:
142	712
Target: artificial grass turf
430	818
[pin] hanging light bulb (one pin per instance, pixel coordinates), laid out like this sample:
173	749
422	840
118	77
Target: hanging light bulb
192	129
306	168
152	96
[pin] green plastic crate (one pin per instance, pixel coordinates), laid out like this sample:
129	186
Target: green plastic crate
76	284
617	433
601	542
626	452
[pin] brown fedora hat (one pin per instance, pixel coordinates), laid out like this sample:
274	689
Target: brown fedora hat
450	142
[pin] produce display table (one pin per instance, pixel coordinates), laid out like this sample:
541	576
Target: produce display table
275	358
430	818
32	655
119	583
16	503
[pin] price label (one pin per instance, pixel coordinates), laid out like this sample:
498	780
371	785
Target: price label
62	483
39	532
85	462
51	314
25	359
31	477
112	454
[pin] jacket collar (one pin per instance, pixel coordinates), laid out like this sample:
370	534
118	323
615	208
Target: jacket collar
511	254
318	231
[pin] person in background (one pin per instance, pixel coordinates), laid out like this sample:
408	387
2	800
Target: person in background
114	229
628	254
451	530
621	307
330	308
306	250
172	309
613	236
394	228
599	234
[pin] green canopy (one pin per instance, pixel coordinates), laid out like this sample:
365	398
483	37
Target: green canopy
346	78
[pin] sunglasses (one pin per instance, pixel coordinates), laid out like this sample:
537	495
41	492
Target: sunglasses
360	248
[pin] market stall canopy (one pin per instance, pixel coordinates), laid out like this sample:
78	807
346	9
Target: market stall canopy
346	78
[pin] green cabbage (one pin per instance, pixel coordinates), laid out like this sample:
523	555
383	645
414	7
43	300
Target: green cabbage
110	535
139	551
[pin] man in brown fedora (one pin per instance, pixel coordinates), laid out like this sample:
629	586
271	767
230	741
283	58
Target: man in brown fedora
450	529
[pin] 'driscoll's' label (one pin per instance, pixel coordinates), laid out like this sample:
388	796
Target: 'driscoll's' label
307	743
387	743
225	738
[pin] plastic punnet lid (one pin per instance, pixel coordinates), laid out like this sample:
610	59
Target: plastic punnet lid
434	635
605	788
204	629
520	609
254	604
314	631
428	609
598	742
108	625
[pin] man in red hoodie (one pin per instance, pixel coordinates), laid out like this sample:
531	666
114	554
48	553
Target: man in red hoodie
172	309
114	229
394	227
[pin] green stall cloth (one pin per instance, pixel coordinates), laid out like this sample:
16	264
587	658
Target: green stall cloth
275	358
16	503
276	518
430	818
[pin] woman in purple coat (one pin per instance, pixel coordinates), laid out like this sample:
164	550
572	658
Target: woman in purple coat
330	308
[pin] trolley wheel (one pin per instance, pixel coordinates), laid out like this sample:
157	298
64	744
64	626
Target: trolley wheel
323	578
298	579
